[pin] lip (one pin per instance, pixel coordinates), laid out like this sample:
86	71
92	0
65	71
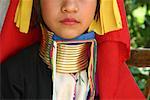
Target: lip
69	21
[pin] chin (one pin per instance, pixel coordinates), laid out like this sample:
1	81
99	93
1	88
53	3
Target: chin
69	35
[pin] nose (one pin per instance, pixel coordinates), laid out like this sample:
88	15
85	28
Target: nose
69	6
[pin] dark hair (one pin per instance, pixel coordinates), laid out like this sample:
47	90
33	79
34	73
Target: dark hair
37	10
97	12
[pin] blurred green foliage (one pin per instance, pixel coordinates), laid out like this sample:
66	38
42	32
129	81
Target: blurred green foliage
138	16
141	75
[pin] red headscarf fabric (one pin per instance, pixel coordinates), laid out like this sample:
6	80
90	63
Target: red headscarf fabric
115	82
11	40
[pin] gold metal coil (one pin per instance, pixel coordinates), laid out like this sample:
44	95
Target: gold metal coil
71	53
71	67
71	62
70	58
74	70
73	47
65	55
45	61
71	50
78	49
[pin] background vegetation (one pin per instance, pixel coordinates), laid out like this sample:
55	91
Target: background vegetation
138	16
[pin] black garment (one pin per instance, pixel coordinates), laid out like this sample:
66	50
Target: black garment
26	76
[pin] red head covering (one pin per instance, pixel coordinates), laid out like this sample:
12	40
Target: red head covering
114	78
11	40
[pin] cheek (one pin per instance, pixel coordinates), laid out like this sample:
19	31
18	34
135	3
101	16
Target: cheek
48	14
89	13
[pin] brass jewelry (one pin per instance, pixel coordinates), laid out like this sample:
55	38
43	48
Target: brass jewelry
70	58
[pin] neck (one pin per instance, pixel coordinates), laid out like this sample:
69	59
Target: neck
72	55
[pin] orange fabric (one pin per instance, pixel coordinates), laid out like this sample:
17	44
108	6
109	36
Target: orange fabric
11	40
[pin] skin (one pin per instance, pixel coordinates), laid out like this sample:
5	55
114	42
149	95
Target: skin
68	18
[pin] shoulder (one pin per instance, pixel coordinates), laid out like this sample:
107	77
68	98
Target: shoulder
22	59
23	55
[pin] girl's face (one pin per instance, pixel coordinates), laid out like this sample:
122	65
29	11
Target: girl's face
68	18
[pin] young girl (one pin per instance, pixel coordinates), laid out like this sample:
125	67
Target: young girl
63	65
